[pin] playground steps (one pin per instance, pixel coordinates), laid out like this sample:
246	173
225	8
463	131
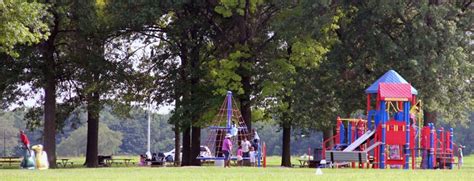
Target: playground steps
360	141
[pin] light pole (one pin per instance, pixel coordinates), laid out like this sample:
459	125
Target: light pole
4	144
148	153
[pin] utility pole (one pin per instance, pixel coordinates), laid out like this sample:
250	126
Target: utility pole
4	144
149	132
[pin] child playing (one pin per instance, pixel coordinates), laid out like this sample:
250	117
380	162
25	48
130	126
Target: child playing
142	160
252	156
239	156
460	156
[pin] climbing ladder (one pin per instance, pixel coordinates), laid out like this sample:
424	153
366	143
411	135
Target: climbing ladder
222	124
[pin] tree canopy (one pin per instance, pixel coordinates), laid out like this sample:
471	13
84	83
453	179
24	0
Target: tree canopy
23	23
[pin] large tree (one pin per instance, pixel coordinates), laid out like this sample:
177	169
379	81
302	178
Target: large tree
297	50
103	73
178	65
41	68
23	22
242	33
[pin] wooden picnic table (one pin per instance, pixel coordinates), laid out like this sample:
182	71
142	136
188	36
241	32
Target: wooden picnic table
64	162
125	161
10	159
303	162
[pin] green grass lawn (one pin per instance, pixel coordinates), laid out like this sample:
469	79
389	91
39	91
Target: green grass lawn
273	172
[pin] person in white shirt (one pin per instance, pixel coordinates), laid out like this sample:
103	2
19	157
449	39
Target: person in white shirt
245	147
460	156
252	157
255	134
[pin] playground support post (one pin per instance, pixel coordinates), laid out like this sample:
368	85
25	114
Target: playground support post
264	155
368	104
431	150
338	130
349	133
259	155
406	112
229	109
451	136
382	146
443	146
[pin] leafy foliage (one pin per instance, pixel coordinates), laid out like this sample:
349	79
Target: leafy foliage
23	22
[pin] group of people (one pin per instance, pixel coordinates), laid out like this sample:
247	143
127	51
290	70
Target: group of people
246	151
34	157
153	159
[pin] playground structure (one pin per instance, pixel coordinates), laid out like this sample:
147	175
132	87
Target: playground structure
28	161
41	158
393	132
229	120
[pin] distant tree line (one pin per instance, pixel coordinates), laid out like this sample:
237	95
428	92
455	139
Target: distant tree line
128	136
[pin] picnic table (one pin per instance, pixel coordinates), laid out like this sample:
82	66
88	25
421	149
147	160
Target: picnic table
155	163
209	160
125	161
303	162
64	161
10	159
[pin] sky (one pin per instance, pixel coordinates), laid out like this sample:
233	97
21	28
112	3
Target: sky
162	109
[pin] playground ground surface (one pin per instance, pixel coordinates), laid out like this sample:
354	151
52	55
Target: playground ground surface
272	172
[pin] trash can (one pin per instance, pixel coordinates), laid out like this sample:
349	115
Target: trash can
219	163
318	154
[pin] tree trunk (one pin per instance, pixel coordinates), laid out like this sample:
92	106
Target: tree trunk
429	117
245	108
50	119
196	146
244	72
93	110
50	95
285	154
328	133
177	145
186	147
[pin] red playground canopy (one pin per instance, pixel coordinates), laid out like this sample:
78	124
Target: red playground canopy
395	91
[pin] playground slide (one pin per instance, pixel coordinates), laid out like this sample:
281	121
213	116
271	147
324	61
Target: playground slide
359	141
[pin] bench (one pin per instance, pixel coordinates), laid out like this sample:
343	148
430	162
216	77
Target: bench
10	162
350	156
156	163
343	156
245	160
65	164
104	160
120	161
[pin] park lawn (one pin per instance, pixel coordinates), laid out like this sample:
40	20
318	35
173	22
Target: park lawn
213	173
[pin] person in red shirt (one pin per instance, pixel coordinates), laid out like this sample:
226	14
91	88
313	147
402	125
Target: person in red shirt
25	140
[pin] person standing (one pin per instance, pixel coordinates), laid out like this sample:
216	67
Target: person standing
252	156
239	156
246	148
460	156
226	149
255	134
24	139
